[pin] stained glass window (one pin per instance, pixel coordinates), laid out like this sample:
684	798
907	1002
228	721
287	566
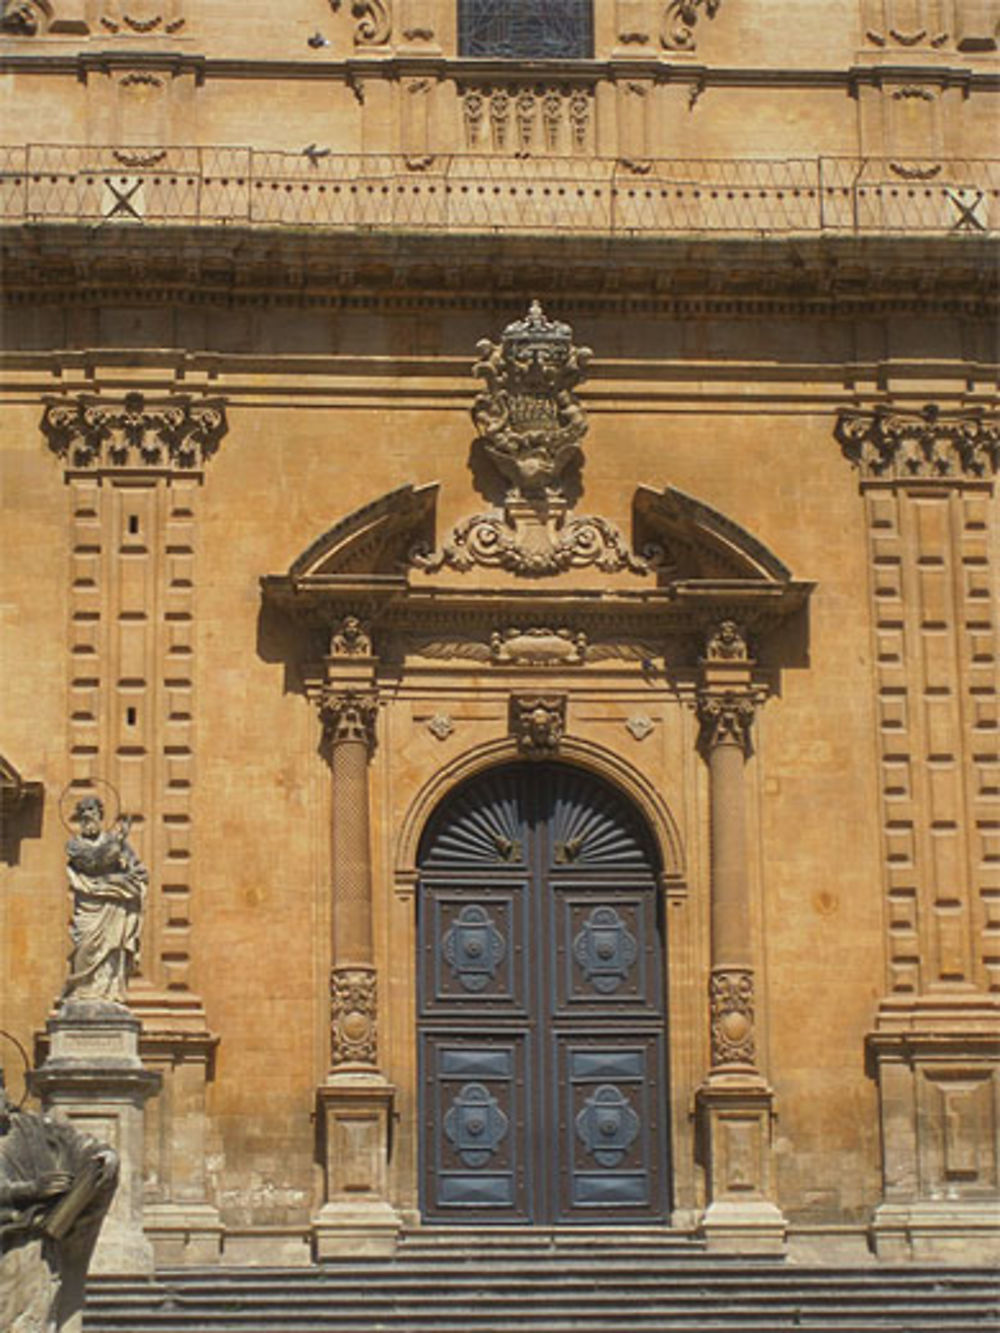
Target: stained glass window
526	29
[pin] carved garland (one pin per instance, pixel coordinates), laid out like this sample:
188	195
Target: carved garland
487	539
897	443
172	432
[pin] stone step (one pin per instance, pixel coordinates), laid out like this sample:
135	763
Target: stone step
550	1292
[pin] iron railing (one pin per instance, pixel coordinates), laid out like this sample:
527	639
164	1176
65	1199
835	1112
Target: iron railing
245	186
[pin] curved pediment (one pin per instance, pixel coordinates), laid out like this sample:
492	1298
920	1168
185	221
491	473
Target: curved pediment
688	539
376	539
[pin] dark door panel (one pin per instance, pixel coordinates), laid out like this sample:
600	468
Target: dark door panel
541	1004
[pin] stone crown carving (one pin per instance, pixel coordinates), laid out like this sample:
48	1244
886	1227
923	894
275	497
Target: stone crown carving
173	433
530	422
896	444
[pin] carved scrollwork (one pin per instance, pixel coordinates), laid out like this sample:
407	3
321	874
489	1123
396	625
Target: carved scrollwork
726	719
538	722
349	715
353	1016
165	433
374	26
24	18
679	20
731	1005
898	444
489	539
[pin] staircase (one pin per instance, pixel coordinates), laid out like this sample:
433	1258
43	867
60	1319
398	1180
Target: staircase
587	1282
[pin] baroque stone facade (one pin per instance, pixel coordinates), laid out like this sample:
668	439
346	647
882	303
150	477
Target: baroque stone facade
623	428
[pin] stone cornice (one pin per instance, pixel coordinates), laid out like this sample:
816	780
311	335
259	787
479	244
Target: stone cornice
46	57
684	276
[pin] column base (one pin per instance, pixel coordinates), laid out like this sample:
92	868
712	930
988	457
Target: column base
939	1231
744	1226
93	1079
184	1234
735	1110
346	1229
354	1114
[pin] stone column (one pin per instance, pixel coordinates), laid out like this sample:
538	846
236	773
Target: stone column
355	1102
735	1101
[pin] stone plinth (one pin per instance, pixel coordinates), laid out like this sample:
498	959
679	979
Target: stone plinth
93	1079
356	1217
736	1112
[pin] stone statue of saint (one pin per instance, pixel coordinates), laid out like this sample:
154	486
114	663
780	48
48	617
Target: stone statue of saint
109	890
55	1187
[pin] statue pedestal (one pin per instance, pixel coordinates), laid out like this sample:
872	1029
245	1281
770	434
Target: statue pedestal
356	1217
93	1080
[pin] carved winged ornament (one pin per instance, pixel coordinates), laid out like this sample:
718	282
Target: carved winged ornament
534	647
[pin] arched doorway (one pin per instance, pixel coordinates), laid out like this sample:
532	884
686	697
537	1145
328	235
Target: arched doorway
541	1004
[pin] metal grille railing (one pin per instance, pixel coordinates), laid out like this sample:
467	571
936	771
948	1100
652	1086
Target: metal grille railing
221	186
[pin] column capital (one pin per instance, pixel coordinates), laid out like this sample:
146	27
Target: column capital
726	718
349	715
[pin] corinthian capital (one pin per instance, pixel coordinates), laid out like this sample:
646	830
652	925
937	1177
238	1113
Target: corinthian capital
726	719
349	715
900	444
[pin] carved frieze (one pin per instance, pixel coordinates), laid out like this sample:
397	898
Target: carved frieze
726	719
897	444
535	646
349	715
353	1016
731	1008
538	722
530	118
174	433
529	419
680	17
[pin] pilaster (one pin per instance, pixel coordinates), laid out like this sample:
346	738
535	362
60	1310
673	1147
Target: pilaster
927	481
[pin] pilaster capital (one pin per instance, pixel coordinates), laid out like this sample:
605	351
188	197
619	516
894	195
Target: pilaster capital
930	443
170	434
726	719
349	715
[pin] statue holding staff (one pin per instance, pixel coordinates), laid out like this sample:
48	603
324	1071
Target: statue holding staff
109	891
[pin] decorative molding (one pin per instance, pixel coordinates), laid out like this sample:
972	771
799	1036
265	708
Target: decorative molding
726	719
639	726
171	433
899	444
526	118
538	723
351	638
731	1008
680	18
353	1016
349	716
530	421
374	26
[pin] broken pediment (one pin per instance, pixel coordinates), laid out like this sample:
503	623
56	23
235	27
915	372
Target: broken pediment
685	539
376	539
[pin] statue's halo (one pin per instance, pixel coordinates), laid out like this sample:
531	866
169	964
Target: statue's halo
75	791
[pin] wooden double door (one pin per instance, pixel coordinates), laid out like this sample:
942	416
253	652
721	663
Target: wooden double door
541	1004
